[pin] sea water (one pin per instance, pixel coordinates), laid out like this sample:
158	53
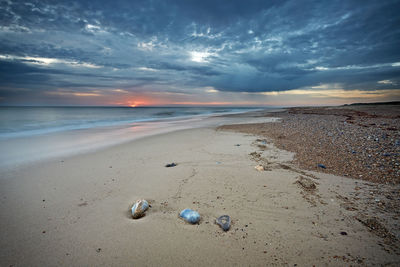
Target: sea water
30	121
32	133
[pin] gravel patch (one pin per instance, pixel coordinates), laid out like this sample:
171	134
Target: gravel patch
360	142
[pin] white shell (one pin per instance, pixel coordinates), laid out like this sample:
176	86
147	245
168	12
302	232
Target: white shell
139	208
259	168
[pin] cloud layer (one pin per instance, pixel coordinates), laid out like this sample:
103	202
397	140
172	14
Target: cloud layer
179	50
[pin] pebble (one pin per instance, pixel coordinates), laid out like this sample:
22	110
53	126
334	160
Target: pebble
169	165
259	168
322	166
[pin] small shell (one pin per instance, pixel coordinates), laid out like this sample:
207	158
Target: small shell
139	208
224	221
190	216
259	168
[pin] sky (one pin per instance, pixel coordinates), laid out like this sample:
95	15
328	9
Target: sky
205	52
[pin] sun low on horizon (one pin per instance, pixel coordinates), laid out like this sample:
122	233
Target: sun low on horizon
160	53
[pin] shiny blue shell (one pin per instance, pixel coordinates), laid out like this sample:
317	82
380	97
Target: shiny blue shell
190	216
144	207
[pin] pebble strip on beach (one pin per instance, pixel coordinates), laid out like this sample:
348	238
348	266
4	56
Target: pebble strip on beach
355	141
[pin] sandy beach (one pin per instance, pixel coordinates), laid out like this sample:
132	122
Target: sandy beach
74	211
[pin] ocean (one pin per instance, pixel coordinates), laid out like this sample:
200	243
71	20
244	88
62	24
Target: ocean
32	133
30	121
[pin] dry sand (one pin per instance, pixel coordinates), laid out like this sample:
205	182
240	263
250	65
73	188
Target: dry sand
74	211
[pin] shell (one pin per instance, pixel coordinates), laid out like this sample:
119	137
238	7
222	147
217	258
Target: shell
139	208
259	168
224	221
190	216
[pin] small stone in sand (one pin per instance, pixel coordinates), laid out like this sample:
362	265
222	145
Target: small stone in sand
259	168
321	166
306	183
83	204
169	165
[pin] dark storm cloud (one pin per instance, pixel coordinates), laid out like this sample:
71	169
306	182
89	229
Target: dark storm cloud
250	46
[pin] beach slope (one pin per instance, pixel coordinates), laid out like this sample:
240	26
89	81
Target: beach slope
75	210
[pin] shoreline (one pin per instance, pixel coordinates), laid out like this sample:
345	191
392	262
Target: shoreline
24	151
74	211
